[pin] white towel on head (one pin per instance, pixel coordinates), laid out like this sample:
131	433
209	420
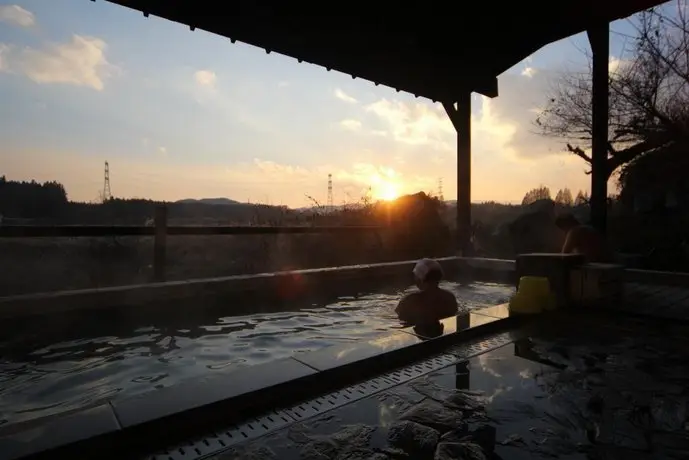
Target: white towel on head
424	266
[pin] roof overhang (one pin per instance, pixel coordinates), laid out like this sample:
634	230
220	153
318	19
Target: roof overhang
428	49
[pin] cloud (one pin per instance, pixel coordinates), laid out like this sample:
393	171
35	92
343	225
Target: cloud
616	64
3	53
16	15
341	95
271	168
414	123
149	148
79	62
508	156
205	78
350	181
528	72
350	125
396	138
258	180
518	106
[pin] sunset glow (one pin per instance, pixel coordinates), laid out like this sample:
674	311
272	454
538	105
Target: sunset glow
387	191
80	91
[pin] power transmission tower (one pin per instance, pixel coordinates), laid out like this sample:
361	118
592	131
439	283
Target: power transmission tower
330	192
107	194
441	197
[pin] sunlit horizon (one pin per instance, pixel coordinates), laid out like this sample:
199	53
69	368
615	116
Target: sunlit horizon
188	115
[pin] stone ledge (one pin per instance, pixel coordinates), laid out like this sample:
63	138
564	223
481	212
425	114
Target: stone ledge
146	422
630	275
95	428
291	284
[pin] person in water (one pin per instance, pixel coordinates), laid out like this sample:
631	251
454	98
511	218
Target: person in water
431	303
581	239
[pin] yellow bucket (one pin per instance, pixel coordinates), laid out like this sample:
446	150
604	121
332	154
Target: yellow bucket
533	296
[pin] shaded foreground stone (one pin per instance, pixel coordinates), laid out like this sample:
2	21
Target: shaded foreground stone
434	415
459	451
413	437
584	390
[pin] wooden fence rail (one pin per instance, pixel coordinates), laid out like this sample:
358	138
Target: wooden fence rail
160	231
78	231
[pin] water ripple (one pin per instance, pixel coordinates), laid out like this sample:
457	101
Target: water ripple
45	370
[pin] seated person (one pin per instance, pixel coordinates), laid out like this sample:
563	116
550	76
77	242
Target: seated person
581	239
430	303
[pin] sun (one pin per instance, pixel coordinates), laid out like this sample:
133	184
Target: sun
387	191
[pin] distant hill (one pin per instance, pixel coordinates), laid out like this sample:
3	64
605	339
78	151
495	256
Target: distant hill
208	201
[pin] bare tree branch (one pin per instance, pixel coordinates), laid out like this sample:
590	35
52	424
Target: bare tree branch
649	93
579	152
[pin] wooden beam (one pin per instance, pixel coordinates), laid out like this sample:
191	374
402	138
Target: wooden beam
102	231
461	119
160	243
599	37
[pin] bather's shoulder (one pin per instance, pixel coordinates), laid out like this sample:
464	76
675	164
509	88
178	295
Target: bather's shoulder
449	302
410	299
449	295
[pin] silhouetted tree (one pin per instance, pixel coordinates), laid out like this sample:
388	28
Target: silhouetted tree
654	192
539	193
31	199
564	197
581	199
659	179
649	94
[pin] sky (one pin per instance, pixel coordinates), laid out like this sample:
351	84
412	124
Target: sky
181	114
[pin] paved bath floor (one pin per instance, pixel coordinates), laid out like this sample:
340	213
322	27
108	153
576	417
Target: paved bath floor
594	387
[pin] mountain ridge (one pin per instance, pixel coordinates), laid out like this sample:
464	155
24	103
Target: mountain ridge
217	201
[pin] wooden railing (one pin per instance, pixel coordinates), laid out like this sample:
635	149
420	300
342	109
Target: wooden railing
160	231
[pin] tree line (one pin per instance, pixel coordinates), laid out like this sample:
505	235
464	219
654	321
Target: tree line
32	199
563	197
48	203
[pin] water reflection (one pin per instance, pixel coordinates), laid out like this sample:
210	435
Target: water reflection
576	391
462	376
472	406
525	349
52	364
429	330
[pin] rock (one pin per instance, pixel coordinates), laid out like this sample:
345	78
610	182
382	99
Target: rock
250	453
394	453
483	435
461	435
464	401
669	413
434	415
359	435
676	443
349	439
459	451
450	397
513	440
361	454
624	429
413	437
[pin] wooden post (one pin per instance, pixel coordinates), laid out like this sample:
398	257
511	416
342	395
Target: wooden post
461	119
599	37
160	243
